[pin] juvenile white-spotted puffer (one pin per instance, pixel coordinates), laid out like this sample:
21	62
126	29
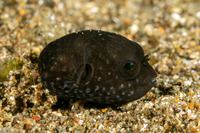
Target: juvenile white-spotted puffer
96	66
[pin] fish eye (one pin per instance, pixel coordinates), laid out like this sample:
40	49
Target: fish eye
128	68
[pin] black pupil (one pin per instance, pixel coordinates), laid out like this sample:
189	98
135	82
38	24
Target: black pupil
129	66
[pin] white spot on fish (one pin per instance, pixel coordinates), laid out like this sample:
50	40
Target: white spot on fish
112	88
64	69
58	78
121	86
137	80
99	79
108	93
129	85
87	90
130	94
52	68
107	61
66	91
45	83
109	73
96	88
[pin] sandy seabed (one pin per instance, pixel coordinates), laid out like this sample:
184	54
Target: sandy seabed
168	31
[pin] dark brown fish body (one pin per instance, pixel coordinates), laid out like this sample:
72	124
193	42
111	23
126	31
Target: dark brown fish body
96	66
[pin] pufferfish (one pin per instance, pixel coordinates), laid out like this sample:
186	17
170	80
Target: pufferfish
96	66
